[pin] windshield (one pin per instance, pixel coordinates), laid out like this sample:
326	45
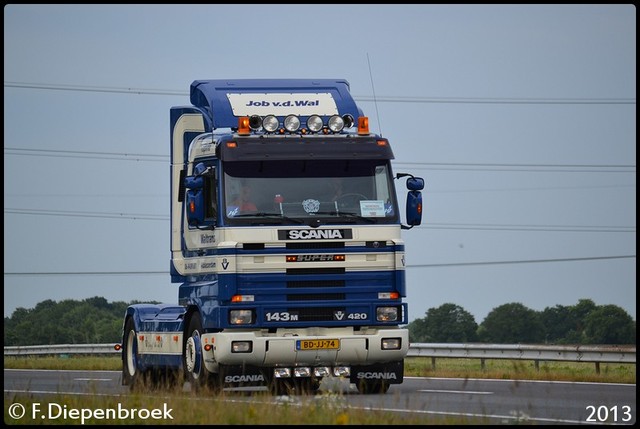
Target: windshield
354	190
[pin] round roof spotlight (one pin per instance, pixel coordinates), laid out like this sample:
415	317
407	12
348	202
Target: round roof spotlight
292	123
336	123
348	121
314	123
255	122
270	123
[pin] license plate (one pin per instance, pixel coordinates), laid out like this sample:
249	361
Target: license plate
331	344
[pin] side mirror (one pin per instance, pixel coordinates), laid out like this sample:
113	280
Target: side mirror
414	208
202	170
194	200
415	183
194	187
414	200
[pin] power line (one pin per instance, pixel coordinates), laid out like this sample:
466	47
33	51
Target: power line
380	99
537	188
68	213
530	261
416	165
455	264
86	273
477	164
431	225
542	228
549	168
64	87
471	100
52	153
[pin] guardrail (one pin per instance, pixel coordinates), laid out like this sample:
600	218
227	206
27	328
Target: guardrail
537	352
577	353
61	349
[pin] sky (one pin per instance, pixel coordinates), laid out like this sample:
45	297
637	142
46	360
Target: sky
520	118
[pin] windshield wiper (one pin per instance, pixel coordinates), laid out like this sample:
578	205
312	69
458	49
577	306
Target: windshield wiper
275	216
349	215
356	216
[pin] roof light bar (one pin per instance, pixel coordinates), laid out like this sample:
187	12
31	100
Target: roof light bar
292	124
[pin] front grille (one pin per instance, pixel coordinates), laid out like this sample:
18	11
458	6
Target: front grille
311	271
315	296
315	283
253	246
320	314
317	245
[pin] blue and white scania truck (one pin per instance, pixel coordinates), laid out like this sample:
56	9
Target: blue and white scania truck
285	241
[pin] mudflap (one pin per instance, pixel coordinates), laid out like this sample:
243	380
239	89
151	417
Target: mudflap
390	373
242	375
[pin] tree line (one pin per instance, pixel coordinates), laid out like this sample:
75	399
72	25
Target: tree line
514	323
95	321
89	321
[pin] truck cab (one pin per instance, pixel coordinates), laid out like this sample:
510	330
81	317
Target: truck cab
285	243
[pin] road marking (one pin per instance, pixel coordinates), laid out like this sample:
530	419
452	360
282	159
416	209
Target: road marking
92	379
471	392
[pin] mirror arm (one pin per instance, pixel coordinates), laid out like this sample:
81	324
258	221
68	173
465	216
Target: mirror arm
400	175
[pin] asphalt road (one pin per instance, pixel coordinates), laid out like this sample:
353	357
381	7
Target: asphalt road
498	401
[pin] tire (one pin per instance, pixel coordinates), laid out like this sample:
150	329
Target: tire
195	371
132	376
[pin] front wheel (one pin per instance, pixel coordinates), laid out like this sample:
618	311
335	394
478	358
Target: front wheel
193	361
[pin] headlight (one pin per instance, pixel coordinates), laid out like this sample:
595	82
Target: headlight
255	122
336	123
314	123
391	343
341	371
270	123
302	371
241	346
322	371
291	123
241	317
387	314
348	121
282	372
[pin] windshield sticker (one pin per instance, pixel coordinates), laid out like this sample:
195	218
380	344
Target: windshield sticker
311	206
233	211
372	208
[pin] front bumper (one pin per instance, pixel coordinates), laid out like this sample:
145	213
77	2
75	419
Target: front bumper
284	348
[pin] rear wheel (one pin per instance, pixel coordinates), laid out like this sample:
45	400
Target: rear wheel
131	374
193	360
